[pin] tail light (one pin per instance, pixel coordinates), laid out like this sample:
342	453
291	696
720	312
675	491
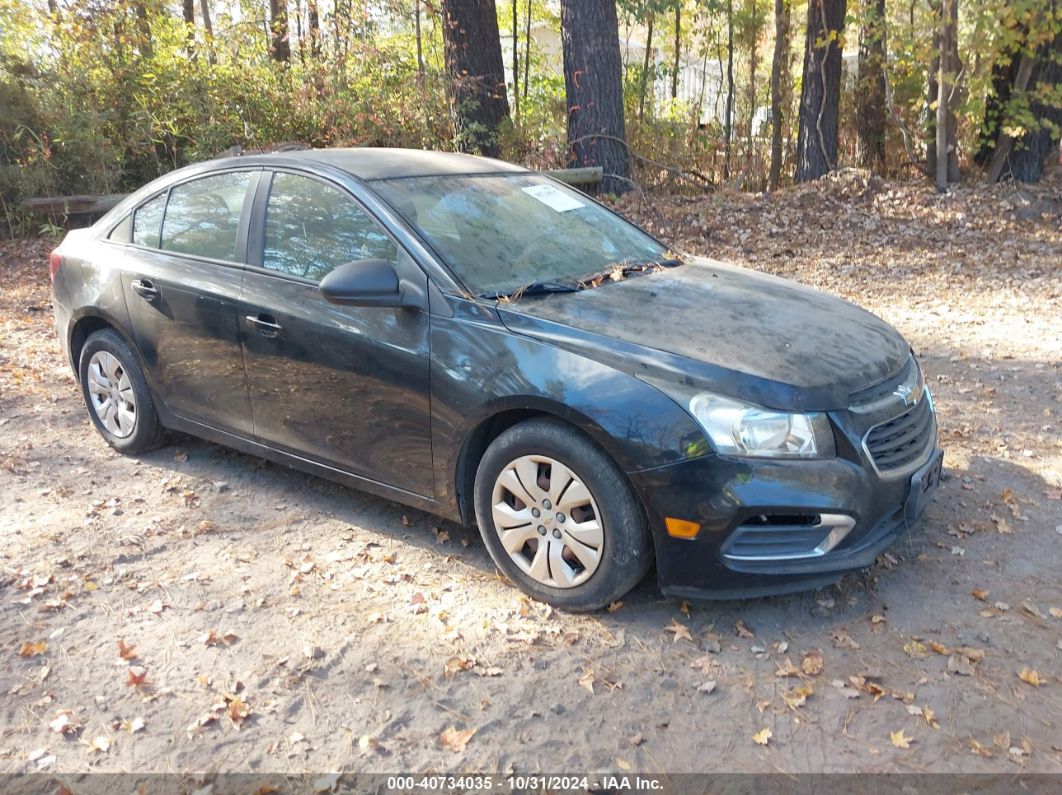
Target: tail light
55	259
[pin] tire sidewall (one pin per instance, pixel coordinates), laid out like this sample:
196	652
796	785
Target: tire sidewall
627	544
145	434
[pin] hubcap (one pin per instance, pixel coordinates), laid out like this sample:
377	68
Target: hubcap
111	394
547	521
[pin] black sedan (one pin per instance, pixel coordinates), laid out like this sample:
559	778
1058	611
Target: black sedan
485	343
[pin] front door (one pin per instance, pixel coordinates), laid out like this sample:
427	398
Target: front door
182	280
341	385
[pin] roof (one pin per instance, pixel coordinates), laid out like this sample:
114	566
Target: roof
370	163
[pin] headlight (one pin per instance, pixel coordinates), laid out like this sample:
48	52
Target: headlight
743	429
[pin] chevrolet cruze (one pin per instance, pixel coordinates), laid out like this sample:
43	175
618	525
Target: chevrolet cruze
485	343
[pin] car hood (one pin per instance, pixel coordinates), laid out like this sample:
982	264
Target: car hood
716	326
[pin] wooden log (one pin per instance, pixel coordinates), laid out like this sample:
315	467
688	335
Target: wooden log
589	175
60	206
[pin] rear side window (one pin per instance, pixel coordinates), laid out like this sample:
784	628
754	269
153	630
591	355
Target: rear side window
147	222
312	227
203	216
120	233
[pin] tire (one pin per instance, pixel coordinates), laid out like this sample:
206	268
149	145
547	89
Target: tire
109	370
580	569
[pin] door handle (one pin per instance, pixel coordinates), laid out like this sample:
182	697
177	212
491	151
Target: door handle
145	289
266	325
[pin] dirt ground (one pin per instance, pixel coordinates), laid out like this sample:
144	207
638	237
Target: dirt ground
196	609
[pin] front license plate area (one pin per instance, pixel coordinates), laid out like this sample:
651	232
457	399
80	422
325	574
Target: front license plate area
923	483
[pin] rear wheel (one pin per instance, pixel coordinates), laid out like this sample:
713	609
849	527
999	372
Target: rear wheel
117	396
559	517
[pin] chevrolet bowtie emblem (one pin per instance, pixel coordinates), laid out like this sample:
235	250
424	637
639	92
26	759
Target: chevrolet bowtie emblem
906	394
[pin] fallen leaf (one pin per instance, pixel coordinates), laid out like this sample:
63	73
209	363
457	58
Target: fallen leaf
741	630
126	651
798	697
842	639
812	663
899	740
239	710
100	745
64	722
680	631
957	664
622	763
635	740
368	744
787	669
1001	740
1029	676
32	649
914	648
614	606
455	740
134	725
587	681
684	608
455	665
1056	612
977	748
762	736
706	687
137	676
981	594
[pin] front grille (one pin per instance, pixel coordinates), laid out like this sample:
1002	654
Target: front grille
901	441
881	392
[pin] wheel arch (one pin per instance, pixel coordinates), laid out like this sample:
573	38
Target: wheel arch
502	417
85	325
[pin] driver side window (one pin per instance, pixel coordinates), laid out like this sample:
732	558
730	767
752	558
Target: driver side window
312	227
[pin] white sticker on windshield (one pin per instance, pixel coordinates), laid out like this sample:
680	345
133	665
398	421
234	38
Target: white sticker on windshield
554	199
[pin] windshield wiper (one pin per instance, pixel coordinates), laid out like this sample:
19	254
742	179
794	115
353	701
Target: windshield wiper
622	270
534	288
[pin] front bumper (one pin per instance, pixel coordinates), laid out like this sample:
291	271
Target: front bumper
813	520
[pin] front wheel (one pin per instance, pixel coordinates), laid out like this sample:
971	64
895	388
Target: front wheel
559	517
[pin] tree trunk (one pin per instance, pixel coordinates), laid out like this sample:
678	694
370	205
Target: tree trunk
645	66
143	24
678	49
946	161
527	49
188	7
1035	146
313	22
593	82
932	90
779	71
820	92
279	47
208	29
478	99
728	116
954	95
516	63
870	88
753	64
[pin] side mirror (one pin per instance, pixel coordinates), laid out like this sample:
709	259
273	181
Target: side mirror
364	282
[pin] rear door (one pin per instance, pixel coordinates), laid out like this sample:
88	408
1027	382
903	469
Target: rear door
182	279
341	385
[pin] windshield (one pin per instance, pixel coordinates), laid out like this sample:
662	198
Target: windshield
501	233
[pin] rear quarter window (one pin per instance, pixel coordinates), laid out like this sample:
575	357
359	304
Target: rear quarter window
122	232
147	222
